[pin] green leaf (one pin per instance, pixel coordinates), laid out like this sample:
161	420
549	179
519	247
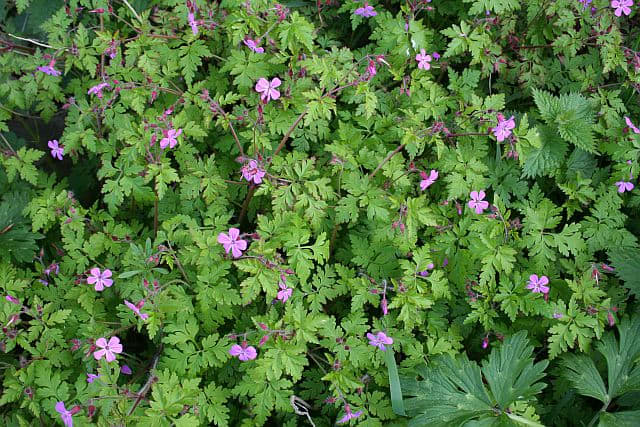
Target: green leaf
394	383
626	262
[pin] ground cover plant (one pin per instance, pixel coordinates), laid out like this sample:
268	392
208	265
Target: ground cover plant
243	213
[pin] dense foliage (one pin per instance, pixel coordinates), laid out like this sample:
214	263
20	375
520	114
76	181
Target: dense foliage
246	213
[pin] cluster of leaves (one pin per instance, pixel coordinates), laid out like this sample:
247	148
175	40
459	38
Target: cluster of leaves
279	191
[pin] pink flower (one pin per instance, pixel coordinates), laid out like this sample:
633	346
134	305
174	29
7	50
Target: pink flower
538	285
423	60
92	377
557	315
622	6
503	129
48	69
366	11
13	299
232	242
243	353
477	201
108	350
193	23
348	415
268	89
624	186
136	309
170	138
371	68
428	180
97	89
101	279
57	150
379	340
631	125
252	172
284	293
125	369
253	45
66	415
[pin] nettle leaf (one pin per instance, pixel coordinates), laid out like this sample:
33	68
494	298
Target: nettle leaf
452	390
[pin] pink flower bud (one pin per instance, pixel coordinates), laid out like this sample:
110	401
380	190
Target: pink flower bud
263	340
263	326
383	305
611	319
485	342
13	299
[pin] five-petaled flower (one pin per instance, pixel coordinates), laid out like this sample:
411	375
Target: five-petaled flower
65	414
624	186
193	23
267	89
285	292
503	129
108	350
477	201
136	309
48	69
170	138
428	180
538	285
97	89
232	242
622	6
253	45
252	172
631	125
423	60
348	415
379	340
243	352
100	278
57	150
366	11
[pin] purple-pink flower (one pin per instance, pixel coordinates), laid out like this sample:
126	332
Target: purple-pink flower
49	69
285	292
253	45
366	11
348	415
477	201
622	6
252	172
423	60
193	23
428	180
126	370
65	414
108	350
538	285
232	242
624	186
503	129
97	89
92	377
136	309
170	138
267	88
57	150
12	299
243	352
379	340
631	125
100	278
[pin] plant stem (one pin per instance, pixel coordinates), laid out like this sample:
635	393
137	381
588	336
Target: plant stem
386	159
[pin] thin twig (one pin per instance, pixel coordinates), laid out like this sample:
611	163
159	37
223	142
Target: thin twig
133	11
36	42
386	159
286	136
